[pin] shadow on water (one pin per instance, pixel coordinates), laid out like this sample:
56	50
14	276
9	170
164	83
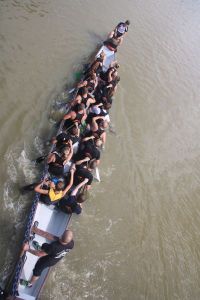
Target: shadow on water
97	39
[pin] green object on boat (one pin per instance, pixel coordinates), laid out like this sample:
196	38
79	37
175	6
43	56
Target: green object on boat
78	75
83	127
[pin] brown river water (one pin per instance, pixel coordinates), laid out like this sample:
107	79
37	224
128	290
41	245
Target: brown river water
138	236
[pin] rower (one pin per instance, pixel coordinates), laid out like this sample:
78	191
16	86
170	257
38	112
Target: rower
98	128
89	150
110	88
77	115
57	161
92	82
85	171
85	99
96	66
62	139
73	203
110	73
51	192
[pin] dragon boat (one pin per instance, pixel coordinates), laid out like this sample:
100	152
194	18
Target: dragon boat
44	224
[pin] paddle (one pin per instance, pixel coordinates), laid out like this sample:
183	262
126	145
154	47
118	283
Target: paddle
28	188
40	159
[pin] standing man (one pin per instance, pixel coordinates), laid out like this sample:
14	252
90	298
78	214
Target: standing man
115	38
49	255
121	29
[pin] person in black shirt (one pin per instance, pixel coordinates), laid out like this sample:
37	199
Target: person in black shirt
83	172
62	139
81	85
77	115
73	203
107	76
57	161
49	255
85	99
98	128
88	150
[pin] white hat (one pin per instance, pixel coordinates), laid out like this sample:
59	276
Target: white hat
96	110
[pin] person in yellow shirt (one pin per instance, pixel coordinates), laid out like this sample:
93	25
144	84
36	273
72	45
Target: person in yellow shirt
51	192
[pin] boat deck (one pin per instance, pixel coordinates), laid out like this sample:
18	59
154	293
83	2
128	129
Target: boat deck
49	220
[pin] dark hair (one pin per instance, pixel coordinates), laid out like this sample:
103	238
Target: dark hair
107	106
81	107
127	22
85	90
65	148
59	186
73	130
81	198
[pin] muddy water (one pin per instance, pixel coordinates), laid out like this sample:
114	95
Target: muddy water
138	237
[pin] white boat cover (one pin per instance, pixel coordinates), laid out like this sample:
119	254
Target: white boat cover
110	57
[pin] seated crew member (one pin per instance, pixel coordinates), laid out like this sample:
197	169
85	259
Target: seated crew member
79	87
98	128
121	29
74	134
57	162
110	88
114	64
49	255
89	148
105	110
96	66
51	193
85	99
73	203
83	172
102	109
112	75
77	115
109	74
62	139
92	82
98	93
93	112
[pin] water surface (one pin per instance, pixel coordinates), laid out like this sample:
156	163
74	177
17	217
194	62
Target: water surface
138	237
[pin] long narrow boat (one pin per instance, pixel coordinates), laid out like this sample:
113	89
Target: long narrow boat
45	224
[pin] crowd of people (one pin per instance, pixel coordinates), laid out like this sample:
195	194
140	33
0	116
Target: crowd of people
71	167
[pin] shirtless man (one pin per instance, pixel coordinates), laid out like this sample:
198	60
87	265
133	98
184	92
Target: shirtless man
85	98
75	116
120	30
